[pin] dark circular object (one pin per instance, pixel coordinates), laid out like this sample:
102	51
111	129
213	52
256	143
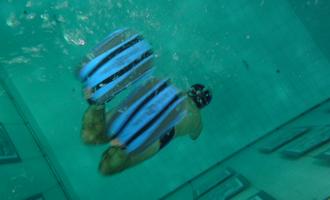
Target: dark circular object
200	95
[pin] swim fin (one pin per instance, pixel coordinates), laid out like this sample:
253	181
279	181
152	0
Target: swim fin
122	59
149	117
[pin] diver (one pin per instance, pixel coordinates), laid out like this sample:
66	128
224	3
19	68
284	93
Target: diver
144	123
183	119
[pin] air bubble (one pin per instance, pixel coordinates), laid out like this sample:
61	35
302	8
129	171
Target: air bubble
31	16
175	57
12	20
16	60
44	17
75	38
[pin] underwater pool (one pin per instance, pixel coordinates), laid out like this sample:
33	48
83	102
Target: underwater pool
266	62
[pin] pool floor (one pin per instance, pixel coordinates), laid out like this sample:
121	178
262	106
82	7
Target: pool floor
261	59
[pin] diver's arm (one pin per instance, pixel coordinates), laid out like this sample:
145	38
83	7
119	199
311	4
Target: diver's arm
195	134
197	128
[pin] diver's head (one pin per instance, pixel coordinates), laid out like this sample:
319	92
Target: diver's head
200	95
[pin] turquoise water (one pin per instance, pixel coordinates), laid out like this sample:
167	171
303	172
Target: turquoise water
266	62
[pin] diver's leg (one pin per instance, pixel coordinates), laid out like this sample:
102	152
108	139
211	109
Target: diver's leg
145	155
93	128
115	159
135	159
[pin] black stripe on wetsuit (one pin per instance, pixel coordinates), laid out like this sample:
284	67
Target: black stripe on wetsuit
164	140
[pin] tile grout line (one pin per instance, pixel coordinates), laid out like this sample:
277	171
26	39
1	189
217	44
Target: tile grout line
188	182
33	133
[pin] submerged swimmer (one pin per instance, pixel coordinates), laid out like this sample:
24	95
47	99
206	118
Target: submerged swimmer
100	127
149	118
